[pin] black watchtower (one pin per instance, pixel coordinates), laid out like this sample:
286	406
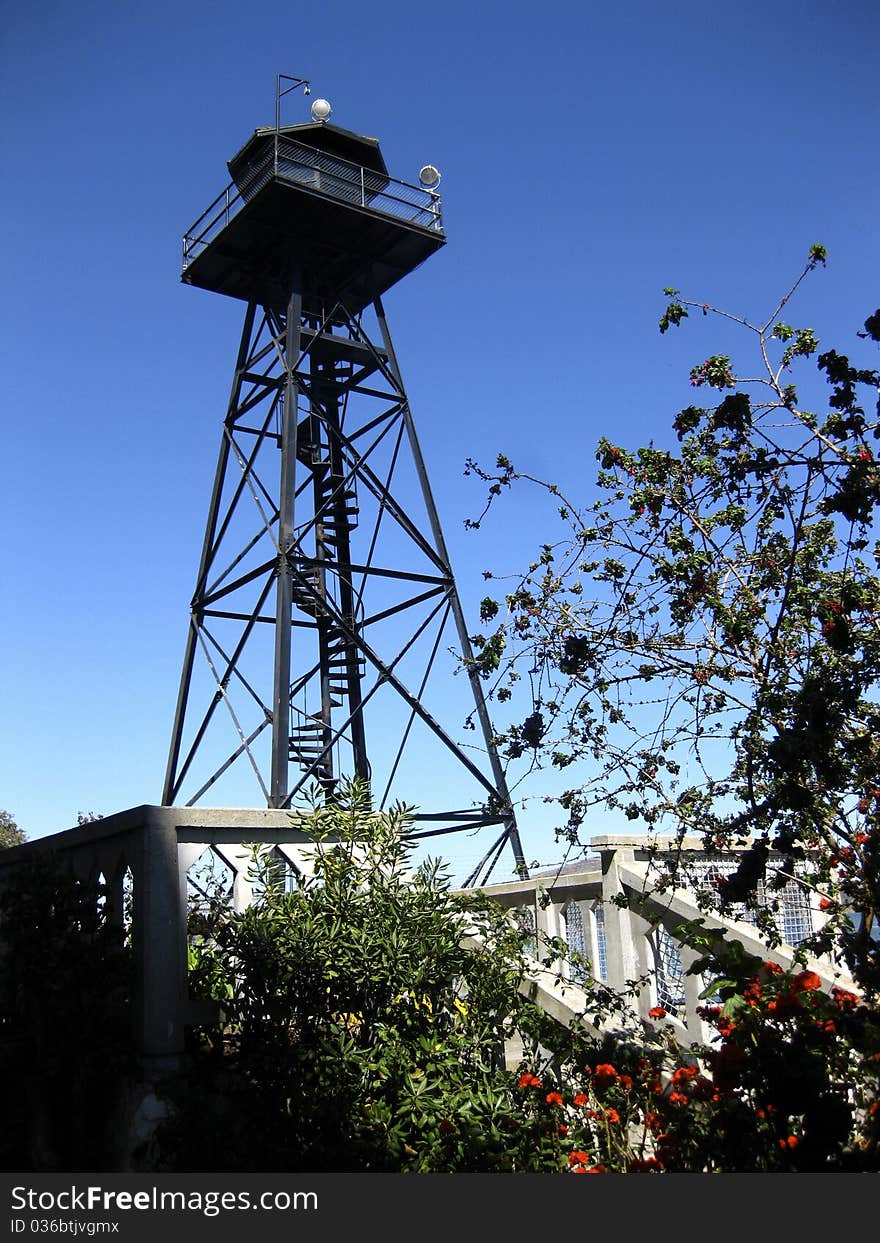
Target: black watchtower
324	593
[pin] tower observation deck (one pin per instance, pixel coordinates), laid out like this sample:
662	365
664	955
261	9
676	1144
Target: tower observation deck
316	199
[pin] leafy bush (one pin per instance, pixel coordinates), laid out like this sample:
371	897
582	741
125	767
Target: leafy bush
65	1035
366	1015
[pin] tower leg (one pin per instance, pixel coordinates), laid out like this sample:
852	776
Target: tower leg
512	832
173	774
284	600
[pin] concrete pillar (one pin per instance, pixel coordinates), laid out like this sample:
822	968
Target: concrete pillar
115	898
242	887
693	985
548	923
620	947
644	962
159	940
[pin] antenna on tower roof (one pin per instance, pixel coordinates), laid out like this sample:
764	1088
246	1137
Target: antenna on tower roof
293	84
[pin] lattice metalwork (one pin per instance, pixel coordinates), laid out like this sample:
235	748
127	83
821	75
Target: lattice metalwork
668	970
793	915
524	917
601	957
575	940
327	604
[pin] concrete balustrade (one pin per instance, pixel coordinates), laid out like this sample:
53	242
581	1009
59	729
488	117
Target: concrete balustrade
611	907
629	912
144	855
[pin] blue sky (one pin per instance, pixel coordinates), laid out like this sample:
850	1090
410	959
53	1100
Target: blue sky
591	155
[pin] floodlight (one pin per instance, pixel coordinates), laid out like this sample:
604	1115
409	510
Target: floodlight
429	176
321	110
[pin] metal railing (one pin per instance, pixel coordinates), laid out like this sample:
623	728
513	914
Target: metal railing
293	163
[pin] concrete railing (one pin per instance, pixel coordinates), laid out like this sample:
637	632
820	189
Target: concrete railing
614	914
144	857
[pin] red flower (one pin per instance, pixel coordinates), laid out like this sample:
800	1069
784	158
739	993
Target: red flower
784	1005
596	1169
605	1074
554	1098
563	1130
843	999
580	1099
790	1141
806	982
528	1080
578	1158
677	1098
647	1166
612	1116
657	1012
772	968
684	1073
727	1065
752	992
825	904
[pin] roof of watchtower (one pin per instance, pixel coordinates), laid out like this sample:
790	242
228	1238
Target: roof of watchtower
356	148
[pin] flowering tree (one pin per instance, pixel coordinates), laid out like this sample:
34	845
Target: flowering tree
699	647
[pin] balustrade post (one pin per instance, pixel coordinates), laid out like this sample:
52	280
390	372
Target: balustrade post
692	986
620	947
159	939
115	897
548	923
